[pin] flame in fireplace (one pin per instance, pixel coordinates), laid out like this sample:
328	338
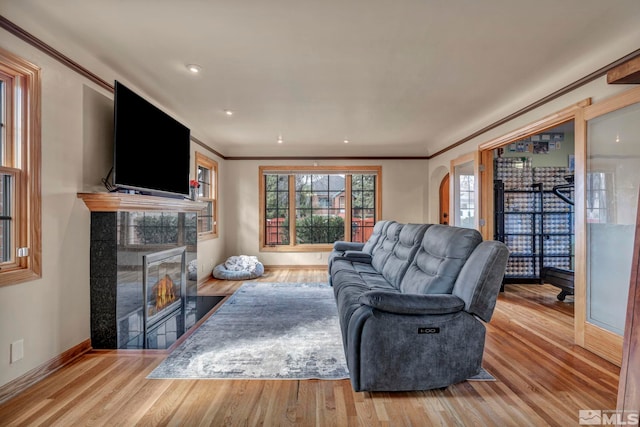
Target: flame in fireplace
165	292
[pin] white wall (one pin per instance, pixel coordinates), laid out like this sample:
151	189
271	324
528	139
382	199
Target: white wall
51	314
404	196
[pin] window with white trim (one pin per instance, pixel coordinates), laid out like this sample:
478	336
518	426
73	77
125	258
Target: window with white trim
20	212
328	204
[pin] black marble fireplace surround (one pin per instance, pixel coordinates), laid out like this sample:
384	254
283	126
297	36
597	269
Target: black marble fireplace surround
125	230
120	241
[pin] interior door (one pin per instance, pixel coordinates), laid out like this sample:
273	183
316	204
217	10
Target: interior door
607	210
444	200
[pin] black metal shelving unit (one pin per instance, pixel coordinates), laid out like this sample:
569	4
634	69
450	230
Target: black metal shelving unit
538	229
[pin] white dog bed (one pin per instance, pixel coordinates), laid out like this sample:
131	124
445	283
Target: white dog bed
240	267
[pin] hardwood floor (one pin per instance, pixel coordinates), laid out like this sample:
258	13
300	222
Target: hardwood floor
542	379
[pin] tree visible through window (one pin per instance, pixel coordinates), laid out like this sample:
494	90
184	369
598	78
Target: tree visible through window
363	207
276	209
318	204
317	220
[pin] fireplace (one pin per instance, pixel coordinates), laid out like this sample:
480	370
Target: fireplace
142	294
164	287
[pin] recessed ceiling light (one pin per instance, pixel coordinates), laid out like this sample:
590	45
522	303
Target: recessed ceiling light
346	141
194	68
279	139
228	112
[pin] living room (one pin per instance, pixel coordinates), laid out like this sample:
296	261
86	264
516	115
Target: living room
51	314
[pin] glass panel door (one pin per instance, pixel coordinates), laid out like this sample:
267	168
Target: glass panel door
465	185
611	200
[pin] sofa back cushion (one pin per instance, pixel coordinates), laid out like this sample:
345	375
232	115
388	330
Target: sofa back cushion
389	240
378	231
441	256
403	252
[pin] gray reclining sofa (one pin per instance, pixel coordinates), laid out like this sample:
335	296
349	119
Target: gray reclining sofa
412	302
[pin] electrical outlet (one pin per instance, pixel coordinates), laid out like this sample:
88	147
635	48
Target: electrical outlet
17	350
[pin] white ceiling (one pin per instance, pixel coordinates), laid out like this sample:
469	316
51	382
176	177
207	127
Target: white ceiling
396	78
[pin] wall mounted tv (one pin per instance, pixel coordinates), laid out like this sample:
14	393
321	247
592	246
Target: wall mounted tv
151	149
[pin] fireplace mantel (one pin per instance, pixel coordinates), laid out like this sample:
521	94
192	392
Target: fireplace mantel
117	202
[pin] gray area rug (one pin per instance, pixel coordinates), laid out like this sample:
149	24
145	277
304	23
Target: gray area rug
264	331
482	376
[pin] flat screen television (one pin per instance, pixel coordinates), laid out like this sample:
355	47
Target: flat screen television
151	149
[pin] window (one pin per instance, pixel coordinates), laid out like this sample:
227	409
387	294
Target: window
207	173
465	190
326	205
20	215
466	186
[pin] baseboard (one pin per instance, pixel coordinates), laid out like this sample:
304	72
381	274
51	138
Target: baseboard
296	267
20	384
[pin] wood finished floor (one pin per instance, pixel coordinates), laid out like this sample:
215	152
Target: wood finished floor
542	379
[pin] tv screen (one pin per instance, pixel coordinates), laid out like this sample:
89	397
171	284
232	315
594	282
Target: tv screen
151	149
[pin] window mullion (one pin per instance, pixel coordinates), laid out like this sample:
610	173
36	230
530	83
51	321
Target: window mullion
292	210
347	208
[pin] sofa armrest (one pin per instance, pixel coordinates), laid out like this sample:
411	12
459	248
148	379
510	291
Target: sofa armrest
362	259
347	246
358	256
399	303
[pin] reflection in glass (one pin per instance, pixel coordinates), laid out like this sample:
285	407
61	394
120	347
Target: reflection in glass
613	179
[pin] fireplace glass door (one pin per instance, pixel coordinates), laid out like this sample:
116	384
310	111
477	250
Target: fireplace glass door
164	284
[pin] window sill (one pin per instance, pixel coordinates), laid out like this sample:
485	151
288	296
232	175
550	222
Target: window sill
22	275
297	248
207	236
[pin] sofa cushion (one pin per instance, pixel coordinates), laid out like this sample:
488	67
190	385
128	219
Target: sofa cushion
403	252
378	232
389	241
438	262
345	264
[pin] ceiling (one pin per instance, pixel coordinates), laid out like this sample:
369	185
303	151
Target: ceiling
395	78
